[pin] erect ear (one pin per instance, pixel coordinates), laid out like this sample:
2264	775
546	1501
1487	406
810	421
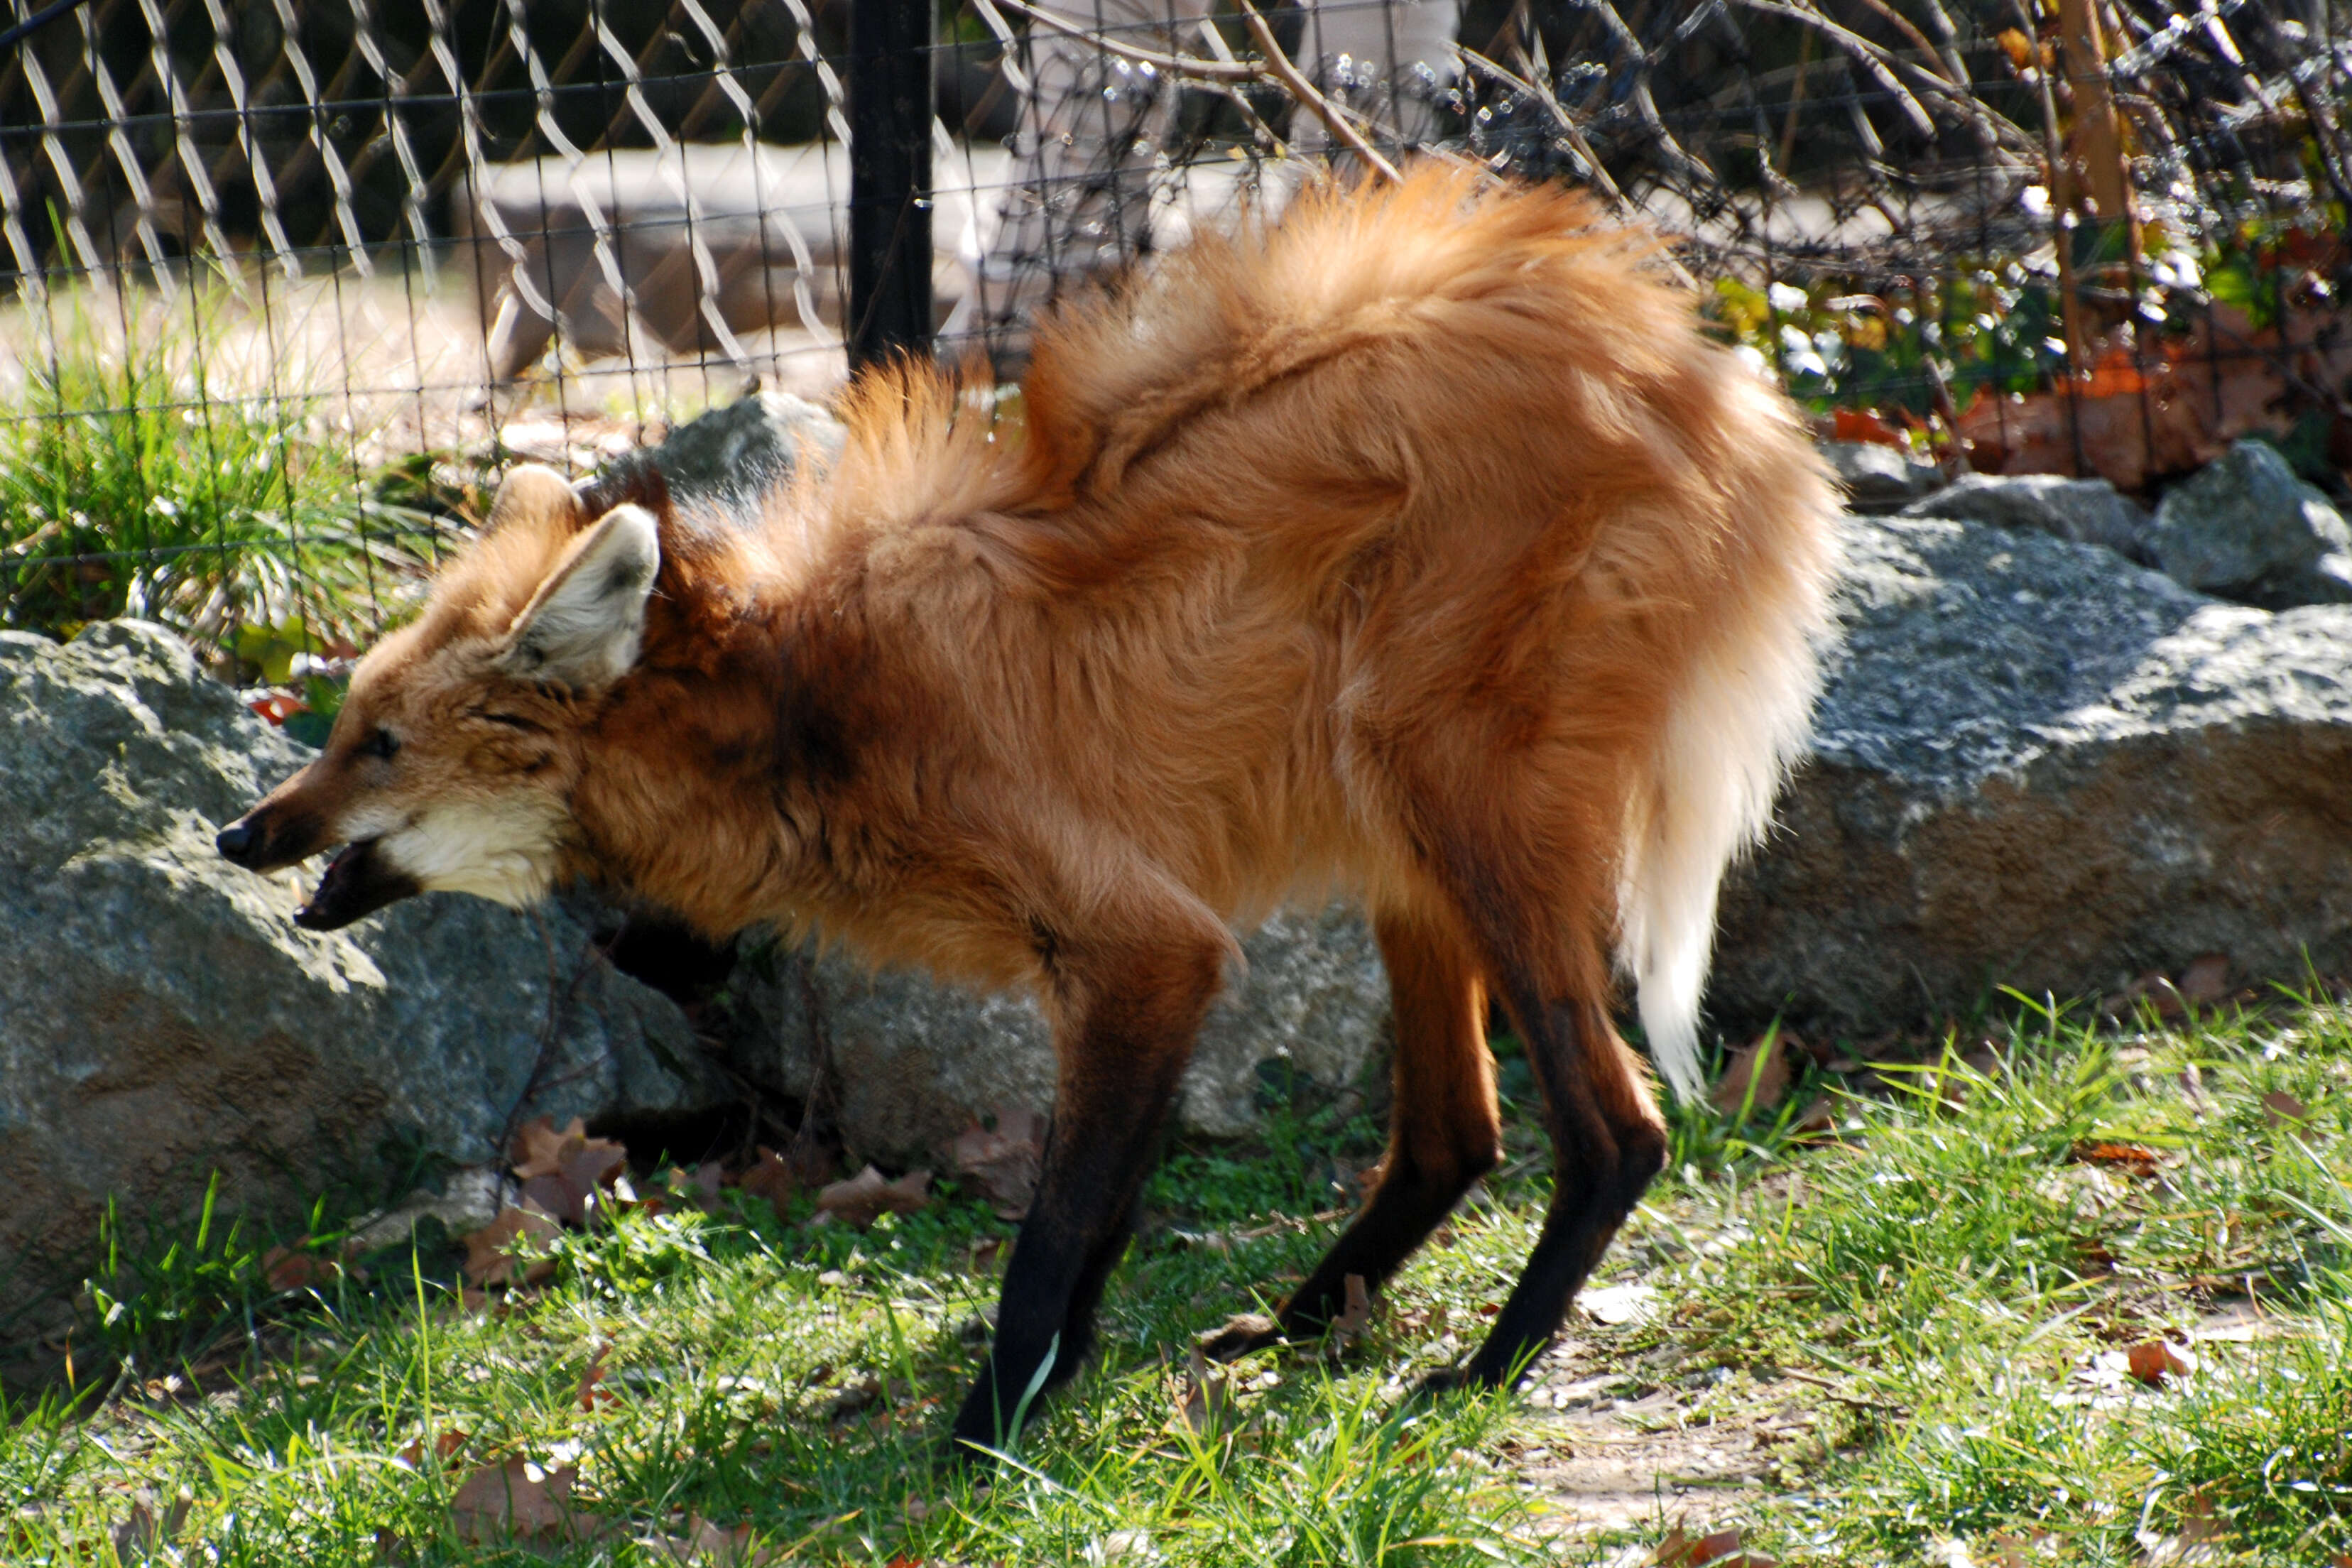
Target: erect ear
534	495
583	626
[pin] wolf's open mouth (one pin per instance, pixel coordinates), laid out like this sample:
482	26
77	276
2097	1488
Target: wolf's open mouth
358	881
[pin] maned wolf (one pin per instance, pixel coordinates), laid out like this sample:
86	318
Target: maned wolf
1420	546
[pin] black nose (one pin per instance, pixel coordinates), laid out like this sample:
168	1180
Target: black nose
235	841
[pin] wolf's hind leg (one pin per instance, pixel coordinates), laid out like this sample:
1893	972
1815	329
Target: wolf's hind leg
1444	1132
1608	1139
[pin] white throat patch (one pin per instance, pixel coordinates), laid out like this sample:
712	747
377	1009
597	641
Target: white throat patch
505	853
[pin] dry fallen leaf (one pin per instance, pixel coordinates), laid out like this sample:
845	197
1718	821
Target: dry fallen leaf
2281	1108
1207	1403
1003	1165
592	1391
1764	1063
562	1173
537	1148
138	1536
519	1499
2155	988
2153	1361
1356	1316
1864	424
2011	1549
2206	980
490	1258
443	1447
2202	1539
699	1541
865	1196
771	1178
1720	1550
1614	1304
2131	1157
290	1268
704	1183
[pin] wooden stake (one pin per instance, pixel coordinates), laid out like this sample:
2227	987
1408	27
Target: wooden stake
2098	139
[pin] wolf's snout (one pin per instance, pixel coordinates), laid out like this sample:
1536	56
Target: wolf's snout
265	839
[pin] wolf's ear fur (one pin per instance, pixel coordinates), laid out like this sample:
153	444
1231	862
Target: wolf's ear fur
534	495
583	626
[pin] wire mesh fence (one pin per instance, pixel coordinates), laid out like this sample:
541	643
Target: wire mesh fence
287	281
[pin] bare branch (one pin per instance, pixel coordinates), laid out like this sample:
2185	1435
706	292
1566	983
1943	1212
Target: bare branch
1883	63
1561	117
1179	65
1275	68
1279	66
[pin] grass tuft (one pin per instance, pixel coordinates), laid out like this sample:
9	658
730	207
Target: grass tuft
241	522
1927	1313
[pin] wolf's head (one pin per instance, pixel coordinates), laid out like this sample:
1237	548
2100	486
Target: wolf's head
450	764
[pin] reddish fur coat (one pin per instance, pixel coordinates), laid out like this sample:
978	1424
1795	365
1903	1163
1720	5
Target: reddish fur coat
1428	504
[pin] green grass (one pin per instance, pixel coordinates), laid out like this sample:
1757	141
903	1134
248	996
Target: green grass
129	484
1943	1287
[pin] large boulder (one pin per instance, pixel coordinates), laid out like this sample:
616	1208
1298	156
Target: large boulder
2245	528
1877	478
161	1017
913	1061
734	450
2088	512
2037	766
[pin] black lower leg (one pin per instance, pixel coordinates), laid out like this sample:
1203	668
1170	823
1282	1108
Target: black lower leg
1444	1131
1117	1079
1606	1153
1407	1206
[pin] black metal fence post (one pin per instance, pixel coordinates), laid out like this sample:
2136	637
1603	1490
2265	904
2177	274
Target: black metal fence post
890	110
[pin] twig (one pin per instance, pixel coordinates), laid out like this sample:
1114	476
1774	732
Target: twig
1907	27
1645	105
2062	200
1183	65
1883	63
1559	111
1795	98
1275	68
1279	66
1233	94
1576	138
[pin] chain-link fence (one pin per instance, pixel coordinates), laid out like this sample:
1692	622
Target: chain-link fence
285	281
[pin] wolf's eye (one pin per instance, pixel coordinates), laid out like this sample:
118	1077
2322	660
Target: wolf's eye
380	743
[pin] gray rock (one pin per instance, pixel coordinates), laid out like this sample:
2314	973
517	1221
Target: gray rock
743	446
2088	511
161	1015
2245	528
2035	768
1879	477
915	1061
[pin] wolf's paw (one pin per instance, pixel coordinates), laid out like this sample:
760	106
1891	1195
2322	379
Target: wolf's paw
1448	1380
1243	1333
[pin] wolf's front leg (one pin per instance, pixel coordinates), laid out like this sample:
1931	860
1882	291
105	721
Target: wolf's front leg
1130	1010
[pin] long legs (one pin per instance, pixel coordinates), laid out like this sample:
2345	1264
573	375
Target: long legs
1538	946
1443	1129
1608	1142
1120	1058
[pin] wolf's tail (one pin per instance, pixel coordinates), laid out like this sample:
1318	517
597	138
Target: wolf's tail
1739	723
